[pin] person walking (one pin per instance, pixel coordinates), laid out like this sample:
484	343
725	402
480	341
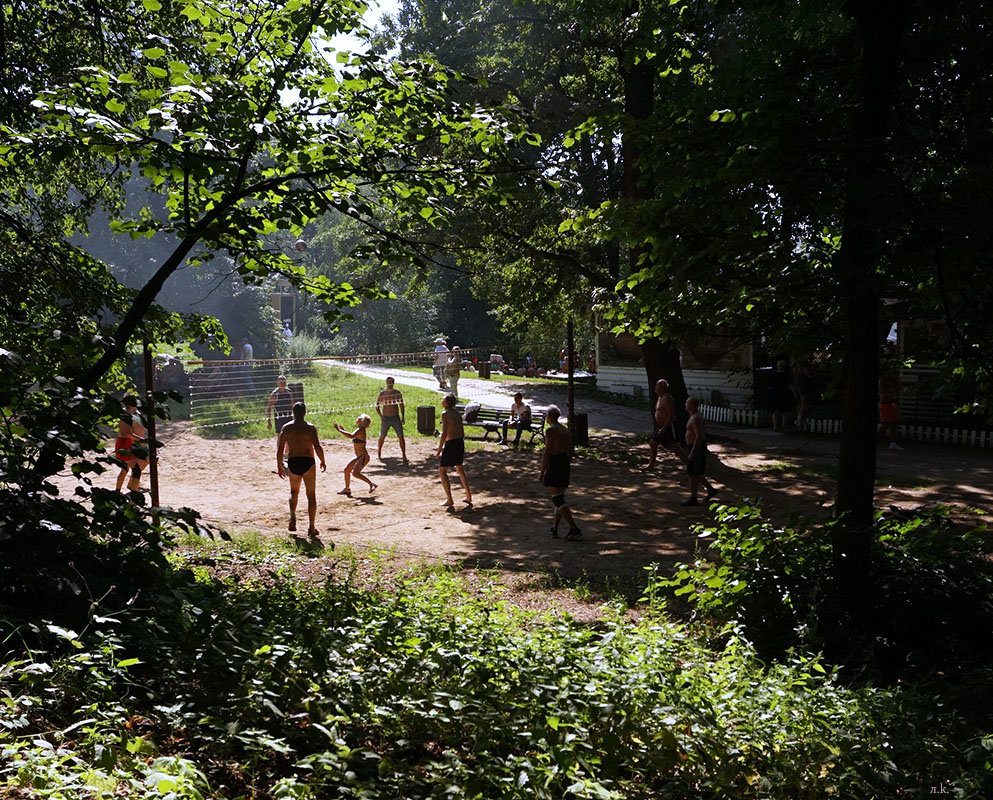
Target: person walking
665	433
453	370
440	361
556	472
451	452
300	441
696	440
130	449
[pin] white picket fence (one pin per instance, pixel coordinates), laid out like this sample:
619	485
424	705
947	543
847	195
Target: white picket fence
750	418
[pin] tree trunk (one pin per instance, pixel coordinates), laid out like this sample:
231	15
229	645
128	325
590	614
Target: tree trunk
661	358
881	26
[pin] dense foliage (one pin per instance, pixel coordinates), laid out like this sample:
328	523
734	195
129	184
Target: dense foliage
273	688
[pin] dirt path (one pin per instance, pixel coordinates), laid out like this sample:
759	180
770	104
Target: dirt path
630	519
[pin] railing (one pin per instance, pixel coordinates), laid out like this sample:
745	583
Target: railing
751	418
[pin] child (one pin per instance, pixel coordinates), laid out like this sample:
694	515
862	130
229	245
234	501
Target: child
354	467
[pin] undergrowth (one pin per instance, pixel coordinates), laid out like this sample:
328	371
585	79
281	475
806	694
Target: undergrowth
278	689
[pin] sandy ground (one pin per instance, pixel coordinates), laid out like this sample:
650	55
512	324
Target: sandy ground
629	519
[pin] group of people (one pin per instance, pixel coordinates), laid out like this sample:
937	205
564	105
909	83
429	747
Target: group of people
447	367
298	443
666	434
789	390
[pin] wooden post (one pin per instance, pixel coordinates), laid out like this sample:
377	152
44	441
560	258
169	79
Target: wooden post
153	467
569	356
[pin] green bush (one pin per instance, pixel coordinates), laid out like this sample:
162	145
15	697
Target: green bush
929	609
288	690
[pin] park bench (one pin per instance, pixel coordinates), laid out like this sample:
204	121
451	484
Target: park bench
493	419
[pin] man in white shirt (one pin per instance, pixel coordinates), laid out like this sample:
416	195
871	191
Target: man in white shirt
520	418
440	361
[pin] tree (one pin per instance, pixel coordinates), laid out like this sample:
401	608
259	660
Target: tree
796	226
240	117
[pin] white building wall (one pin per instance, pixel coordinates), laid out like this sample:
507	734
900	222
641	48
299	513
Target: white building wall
714	388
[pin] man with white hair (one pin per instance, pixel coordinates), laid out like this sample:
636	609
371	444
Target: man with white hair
440	361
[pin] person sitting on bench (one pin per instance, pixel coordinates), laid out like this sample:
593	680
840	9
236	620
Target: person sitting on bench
520	418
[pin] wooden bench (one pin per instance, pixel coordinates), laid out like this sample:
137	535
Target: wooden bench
493	420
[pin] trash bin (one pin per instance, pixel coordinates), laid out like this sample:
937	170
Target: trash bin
581	430
425	420
484	369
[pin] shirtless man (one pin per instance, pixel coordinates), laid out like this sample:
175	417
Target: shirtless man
282	400
129	449
555	471
389	406
665	425
300	441
451	451
696	440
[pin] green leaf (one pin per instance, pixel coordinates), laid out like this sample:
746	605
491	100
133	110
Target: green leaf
151	5
154	52
114	106
128	662
427	212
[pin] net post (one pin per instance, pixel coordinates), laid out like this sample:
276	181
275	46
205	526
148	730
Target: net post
153	468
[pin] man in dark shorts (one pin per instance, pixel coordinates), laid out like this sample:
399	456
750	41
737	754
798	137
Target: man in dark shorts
389	406
696	440
665	433
281	400
451	451
299	439
555	471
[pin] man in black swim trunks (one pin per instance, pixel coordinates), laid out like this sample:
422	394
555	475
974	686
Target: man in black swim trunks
300	441
665	433
555	471
451	451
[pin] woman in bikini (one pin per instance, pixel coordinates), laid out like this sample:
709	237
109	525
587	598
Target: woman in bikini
354	467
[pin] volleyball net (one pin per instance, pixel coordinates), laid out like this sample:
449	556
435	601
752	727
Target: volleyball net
236	394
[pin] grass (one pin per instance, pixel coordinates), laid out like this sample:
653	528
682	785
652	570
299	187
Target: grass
266	686
332	395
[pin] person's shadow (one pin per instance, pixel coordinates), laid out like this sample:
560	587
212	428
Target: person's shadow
308	545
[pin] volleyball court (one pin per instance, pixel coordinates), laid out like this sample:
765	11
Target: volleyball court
231	393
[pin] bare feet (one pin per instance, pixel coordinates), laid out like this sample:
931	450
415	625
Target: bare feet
293	523
447	504
312	532
372	487
346	491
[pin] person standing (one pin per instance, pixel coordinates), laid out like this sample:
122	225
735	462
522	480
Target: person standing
299	439
556	472
440	361
889	406
781	396
129	450
451	451
665	433
280	400
696	440
520	419
389	406
453	370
